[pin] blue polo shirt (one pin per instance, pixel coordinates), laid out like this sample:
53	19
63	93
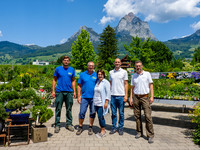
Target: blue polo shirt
64	76
88	83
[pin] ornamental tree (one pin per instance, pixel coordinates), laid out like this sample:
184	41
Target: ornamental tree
82	51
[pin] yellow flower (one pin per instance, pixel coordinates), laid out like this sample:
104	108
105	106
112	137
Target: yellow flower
170	76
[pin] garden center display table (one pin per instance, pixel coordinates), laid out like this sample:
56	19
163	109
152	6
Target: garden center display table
3	135
15	129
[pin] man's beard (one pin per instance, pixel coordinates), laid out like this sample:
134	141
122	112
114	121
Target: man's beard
138	70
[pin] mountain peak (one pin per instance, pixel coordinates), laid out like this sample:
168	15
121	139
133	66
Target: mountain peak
129	17
130	25
93	35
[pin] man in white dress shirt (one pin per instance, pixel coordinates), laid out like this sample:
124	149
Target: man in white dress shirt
141	85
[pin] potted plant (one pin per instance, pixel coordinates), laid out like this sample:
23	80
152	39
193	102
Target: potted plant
20	115
41	114
3	116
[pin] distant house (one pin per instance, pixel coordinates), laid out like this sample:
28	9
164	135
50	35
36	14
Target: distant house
125	62
40	63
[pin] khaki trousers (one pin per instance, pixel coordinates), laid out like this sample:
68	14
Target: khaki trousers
145	103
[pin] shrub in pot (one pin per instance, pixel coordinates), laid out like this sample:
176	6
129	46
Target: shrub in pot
3	116
41	114
17	116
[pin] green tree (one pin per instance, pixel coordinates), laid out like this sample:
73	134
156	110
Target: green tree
107	49
196	56
151	53
59	60
161	52
140	50
82	51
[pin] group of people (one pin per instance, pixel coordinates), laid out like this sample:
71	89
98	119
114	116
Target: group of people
101	95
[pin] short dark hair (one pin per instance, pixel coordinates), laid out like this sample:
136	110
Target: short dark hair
100	70
66	57
138	61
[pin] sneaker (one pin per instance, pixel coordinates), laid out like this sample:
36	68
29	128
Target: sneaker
138	135
80	130
121	132
113	131
90	131
100	135
70	128
150	140
57	129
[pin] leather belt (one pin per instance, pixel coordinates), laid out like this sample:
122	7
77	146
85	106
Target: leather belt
140	96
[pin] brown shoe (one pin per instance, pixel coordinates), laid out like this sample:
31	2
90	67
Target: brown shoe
138	135
80	130
70	128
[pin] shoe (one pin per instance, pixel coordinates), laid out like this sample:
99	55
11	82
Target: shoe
121	132
57	129
150	140
70	128
80	130
90	131
138	135
100	135
113	131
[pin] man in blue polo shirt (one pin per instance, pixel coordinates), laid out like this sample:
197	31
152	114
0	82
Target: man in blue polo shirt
86	81
65	91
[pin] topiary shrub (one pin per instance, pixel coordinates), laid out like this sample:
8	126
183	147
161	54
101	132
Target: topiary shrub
41	111
196	119
3	114
28	94
17	103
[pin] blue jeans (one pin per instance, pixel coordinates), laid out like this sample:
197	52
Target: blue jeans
83	108
117	102
99	110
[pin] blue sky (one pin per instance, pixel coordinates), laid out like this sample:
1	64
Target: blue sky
51	22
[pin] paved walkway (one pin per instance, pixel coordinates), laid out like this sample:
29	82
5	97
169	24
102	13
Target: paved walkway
172	132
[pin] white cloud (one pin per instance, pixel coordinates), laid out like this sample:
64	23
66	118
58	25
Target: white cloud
30	44
185	36
196	25
1	33
155	10
63	40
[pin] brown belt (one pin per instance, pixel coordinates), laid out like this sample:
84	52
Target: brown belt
140	96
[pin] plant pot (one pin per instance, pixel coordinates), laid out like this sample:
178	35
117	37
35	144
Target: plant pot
19	118
39	134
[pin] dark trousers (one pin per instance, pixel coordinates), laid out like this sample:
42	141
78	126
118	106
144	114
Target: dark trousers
66	97
99	110
145	102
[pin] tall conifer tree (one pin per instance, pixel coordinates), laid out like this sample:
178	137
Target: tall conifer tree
107	49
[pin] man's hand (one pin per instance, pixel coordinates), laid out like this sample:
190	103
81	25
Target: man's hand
74	95
79	100
53	94
131	101
151	100
106	104
125	98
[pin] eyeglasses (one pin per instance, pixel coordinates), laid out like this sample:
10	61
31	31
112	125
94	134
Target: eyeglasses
138	65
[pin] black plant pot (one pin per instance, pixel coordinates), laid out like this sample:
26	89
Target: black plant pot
1	125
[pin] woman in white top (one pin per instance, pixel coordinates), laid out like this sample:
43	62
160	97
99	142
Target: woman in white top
102	100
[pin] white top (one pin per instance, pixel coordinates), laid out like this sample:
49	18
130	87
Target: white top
141	82
97	95
117	78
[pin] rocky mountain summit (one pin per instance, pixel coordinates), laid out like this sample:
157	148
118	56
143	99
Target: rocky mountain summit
130	25
94	37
